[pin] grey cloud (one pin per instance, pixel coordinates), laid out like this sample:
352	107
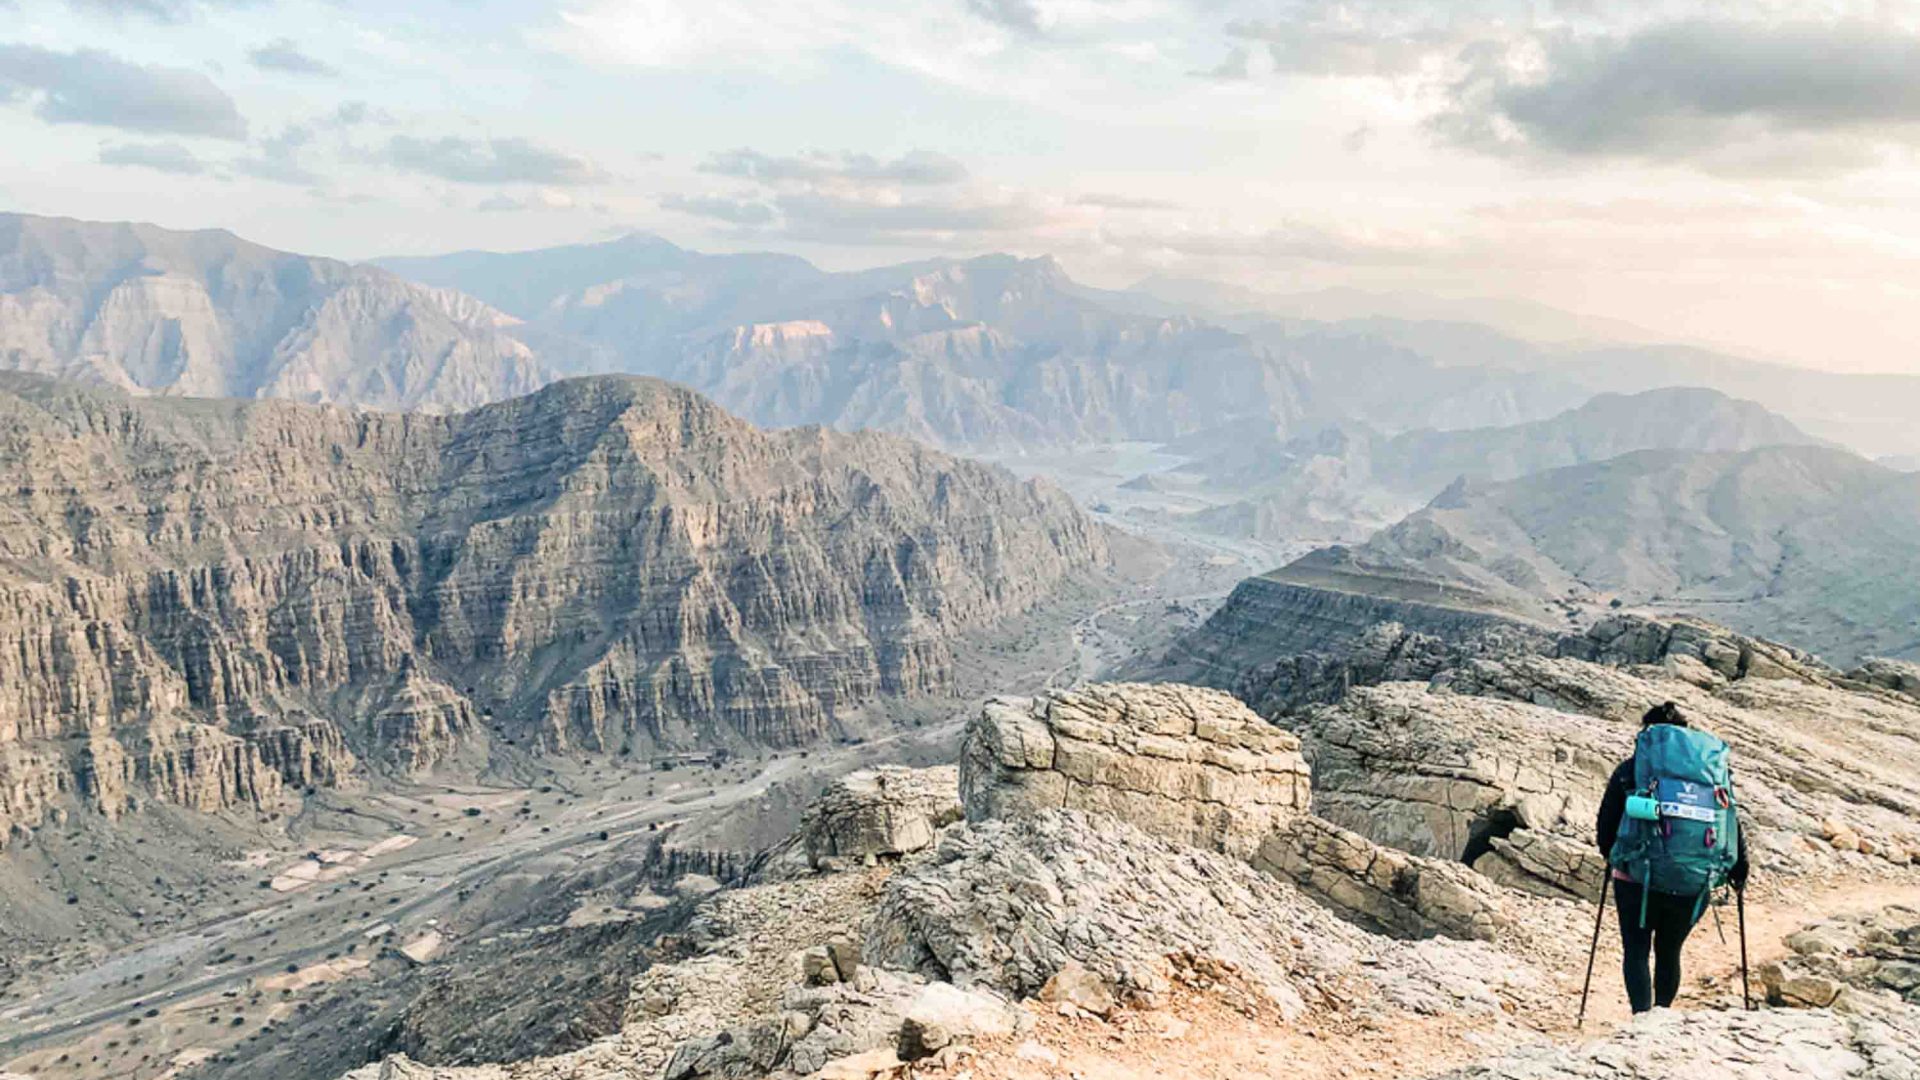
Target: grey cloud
540	199
168	157
1019	15
920	167
489	161
1298	240
98	88
1714	93
283	55
278	158
169	11
720	208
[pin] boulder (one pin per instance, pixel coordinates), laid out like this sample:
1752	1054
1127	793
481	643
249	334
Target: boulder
867	1065
879	813
944	1015
1186	764
1076	986
1544	864
1380	887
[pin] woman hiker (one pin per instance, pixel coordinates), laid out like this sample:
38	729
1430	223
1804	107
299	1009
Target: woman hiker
1652	921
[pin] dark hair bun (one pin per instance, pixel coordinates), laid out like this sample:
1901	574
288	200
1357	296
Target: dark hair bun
1664	713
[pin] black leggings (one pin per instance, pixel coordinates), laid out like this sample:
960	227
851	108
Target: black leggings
1669	920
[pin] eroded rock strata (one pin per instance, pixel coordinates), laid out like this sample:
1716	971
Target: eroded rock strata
206	601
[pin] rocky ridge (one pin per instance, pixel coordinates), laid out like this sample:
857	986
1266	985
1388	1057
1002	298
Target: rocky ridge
609	566
1444	834
924	953
1792	543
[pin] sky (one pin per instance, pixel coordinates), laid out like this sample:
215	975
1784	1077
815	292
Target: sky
1741	175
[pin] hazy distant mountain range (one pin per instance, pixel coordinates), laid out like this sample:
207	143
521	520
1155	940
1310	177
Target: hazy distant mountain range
1804	544
994	352
1344	481
980	352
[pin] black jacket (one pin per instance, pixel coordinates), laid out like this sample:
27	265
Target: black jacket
1613	807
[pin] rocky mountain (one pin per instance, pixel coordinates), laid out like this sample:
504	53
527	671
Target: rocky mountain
210	603
1801	543
207	314
994	351
630	295
1345	481
1804	544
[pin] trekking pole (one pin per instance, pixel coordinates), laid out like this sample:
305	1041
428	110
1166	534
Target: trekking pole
1740	904
1606	882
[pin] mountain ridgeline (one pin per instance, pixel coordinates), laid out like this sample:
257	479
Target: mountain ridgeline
990	353
204	601
1800	544
206	314
1345	481
1804	544
995	351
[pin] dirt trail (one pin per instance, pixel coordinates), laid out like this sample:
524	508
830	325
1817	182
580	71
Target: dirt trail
1712	966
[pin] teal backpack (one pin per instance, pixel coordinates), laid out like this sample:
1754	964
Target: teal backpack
1680	834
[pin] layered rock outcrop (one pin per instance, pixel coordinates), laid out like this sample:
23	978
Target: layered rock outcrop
1820	770
1896	675
1467	778
1180	762
1316	606
1381	887
611	564
879	813
1009	904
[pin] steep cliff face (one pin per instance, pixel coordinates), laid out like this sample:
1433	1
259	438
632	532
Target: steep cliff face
151	310
207	600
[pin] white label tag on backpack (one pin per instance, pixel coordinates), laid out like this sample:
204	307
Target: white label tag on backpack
1689	812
